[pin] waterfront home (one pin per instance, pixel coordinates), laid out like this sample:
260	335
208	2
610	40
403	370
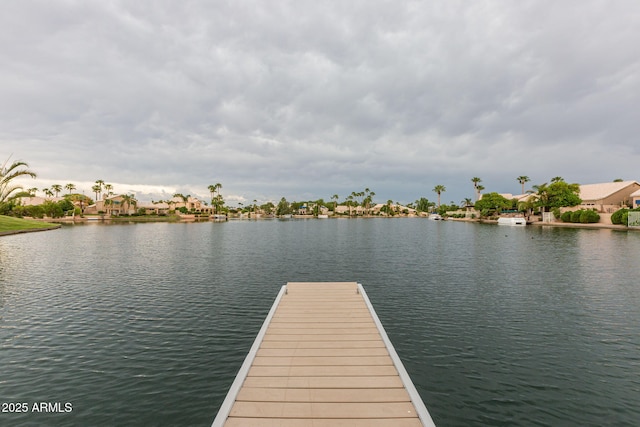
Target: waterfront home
192	204
111	205
608	197
635	199
37	201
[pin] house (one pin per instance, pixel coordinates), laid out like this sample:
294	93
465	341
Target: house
635	199
608	197
112	205
192	204
36	200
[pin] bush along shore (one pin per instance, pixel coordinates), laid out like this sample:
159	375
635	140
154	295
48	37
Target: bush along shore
11	225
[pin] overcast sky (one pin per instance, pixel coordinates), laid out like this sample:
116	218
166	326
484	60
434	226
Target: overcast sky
308	98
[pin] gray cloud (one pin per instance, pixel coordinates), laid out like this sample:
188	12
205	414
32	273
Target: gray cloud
302	98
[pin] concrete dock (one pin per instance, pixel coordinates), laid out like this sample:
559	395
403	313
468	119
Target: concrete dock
322	358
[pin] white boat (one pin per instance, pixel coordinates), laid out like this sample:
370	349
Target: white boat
435	217
323	216
519	221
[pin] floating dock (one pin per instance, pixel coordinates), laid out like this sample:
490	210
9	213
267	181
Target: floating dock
322	358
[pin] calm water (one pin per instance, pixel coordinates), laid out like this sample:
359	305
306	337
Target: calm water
147	324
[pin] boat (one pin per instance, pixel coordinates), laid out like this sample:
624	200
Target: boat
517	221
435	217
323	216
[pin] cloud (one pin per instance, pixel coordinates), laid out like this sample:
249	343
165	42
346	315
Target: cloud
302	98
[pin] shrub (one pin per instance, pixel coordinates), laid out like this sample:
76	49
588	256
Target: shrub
566	217
617	217
575	216
589	216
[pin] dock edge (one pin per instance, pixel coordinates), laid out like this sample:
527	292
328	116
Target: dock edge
225	408
421	409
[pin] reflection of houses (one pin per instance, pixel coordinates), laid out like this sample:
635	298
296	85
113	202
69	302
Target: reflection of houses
609	196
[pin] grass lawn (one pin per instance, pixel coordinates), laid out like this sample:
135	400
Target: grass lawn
8	223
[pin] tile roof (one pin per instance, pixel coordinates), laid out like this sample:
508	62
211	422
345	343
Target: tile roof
605	189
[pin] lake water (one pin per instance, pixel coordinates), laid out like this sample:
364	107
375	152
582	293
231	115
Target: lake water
147	324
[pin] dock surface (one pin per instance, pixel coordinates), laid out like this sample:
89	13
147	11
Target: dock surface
322	358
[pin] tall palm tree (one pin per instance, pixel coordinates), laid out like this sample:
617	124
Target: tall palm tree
32	191
97	190
480	190
9	191
212	191
439	189
100	184
129	200
476	181
522	179
57	188
47	192
218	199
70	187
107	202
185	199
335	198
108	188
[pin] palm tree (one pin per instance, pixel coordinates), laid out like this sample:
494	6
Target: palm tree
70	187
335	198
476	181
467	202
557	179
108	188
218	186
522	179
129	200
57	188
32	191
107	202
8	191
99	184
389	211
212	191
97	190
480	190
47	192
439	189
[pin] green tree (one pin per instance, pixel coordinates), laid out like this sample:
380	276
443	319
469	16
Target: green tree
523	179
493	202
424	205
558	194
439	189
97	190
476	181
128	200
9	191
100	184
335	198
283	208
70	187
56	188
